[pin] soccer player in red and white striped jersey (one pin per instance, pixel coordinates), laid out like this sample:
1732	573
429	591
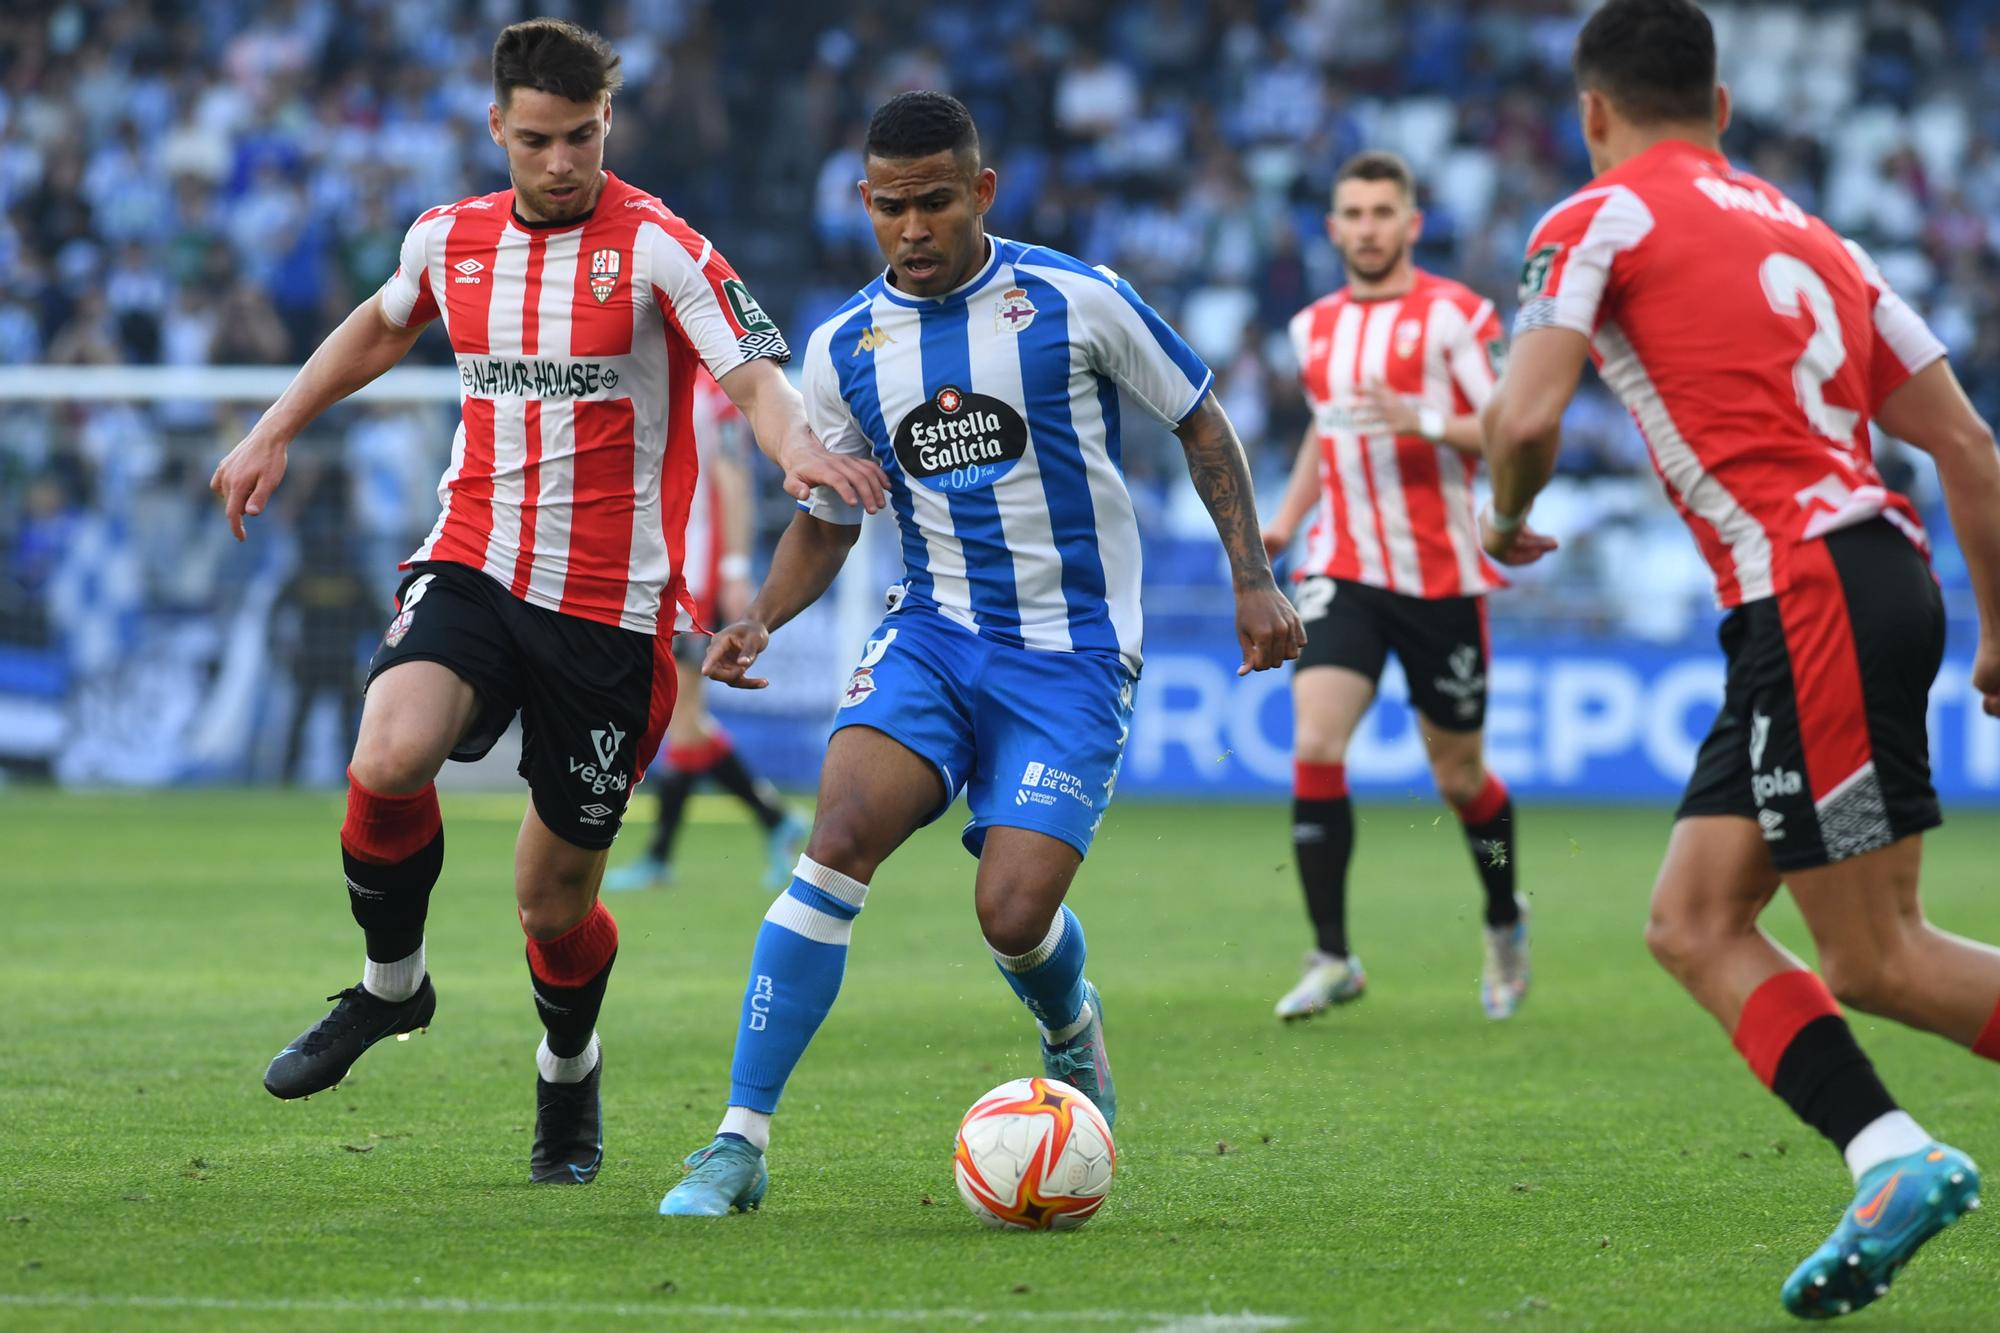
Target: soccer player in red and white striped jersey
1753	347
1395	366
581	310
720	523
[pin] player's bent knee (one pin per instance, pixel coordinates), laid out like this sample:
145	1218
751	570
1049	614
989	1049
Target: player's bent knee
1310	747
844	843
550	918
1014	924
1869	979
393	766
1460	783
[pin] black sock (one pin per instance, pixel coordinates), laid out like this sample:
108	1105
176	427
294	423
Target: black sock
569	1013
1492	845
1829	1082
675	787
390	901
1323	840
762	798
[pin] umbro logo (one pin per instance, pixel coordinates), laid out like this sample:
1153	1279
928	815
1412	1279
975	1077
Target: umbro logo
597	811
873	338
468	270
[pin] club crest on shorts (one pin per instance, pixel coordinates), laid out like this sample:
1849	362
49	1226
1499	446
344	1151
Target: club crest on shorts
1013	311
604	268
859	686
399	627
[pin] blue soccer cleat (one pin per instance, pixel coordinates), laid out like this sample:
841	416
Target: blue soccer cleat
1081	1061
782	846
1898	1206
646	872
724	1176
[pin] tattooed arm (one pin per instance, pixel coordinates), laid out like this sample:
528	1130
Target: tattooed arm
1266	626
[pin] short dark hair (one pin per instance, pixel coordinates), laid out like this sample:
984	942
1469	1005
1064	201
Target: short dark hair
922	122
1655	59
554	56
1378	164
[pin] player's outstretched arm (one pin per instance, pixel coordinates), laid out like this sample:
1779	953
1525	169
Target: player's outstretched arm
1301	494
1931	411
777	417
808	556
1523	427
365	345
1267	627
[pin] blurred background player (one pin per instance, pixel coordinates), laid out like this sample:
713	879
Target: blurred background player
579	308
1395	366
1753	347
717	570
984	374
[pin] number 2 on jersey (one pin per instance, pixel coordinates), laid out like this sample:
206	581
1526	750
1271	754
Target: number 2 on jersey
1786	278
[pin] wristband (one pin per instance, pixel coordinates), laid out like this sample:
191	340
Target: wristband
1505	523
1430	423
733	566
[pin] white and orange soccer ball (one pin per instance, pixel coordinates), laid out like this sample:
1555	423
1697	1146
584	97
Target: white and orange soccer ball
1034	1154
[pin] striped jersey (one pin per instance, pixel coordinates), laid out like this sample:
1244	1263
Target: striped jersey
577	345
995	411
1396	511
716	420
1749	342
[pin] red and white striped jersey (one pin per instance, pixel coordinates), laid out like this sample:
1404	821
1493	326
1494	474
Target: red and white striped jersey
1397	510
577	344
716	418
1749	342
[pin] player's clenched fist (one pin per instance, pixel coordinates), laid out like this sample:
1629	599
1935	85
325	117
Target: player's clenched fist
245	479
1986	675
732	652
1268	629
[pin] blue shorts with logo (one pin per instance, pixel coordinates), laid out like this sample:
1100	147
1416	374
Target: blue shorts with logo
1033	738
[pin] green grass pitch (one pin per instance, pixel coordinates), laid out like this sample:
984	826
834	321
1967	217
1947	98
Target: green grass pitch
1601	1161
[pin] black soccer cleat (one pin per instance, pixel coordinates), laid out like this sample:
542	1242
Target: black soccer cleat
569	1130
320	1057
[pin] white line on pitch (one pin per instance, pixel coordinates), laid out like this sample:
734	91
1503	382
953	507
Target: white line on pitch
667	1308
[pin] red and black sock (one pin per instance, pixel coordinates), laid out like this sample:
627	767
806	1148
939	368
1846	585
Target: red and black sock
1489	831
569	974
675	786
393	850
716	758
1323	842
1796	1042
1988	1042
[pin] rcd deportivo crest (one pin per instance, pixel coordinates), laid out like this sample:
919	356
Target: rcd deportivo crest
604	266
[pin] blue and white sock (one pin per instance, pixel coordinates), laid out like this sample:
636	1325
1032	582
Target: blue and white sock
795	974
1049	978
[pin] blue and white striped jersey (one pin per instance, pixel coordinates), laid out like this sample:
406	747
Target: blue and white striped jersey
994	410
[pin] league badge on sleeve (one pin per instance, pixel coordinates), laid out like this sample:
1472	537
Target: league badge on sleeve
604	266
1013	311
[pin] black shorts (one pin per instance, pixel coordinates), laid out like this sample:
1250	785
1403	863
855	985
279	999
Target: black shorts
593	698
1822	736
1441	642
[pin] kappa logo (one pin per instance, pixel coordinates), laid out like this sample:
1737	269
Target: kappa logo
604	268
873	338
606	743
1013	312
468	270
1760	734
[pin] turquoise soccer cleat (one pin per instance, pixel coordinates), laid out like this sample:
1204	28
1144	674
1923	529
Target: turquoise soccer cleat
782	846
724	1176
1898	1206
642	873
1081	1061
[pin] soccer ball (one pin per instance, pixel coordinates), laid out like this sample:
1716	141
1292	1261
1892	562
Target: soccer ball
1034	1155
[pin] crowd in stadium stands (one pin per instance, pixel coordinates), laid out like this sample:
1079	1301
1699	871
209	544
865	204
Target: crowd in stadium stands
219	181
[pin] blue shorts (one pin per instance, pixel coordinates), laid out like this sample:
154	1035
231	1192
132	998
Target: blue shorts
1033	738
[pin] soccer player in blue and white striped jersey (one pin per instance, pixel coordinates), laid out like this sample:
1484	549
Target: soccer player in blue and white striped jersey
984	375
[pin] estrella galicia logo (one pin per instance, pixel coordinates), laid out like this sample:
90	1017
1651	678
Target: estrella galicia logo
961	441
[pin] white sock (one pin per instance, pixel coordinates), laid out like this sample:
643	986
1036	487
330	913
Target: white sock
394	981
1060	1035
1891	1134
752	1125
566	1068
